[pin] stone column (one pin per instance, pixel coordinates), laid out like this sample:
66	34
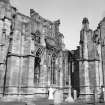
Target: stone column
20	77
86	67
61	71
100	65
31	89
2	74
31	86
58	95
2	65
99	73
21	64
43	80
57	71
10	73
14	66
61	76
69	98
97	88
49	69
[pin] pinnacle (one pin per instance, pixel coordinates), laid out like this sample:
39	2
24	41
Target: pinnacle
85	20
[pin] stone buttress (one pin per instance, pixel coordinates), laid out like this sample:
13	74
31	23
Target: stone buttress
89	63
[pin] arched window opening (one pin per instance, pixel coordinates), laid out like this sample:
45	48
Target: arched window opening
53	75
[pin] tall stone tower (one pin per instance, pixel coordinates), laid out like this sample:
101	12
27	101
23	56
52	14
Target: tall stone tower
87	64
91	78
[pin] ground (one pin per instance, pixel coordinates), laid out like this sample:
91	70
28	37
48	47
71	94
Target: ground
45	102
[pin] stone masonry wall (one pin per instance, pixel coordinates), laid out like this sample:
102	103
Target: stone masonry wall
22	40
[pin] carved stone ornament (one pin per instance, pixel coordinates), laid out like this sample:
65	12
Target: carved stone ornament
50	42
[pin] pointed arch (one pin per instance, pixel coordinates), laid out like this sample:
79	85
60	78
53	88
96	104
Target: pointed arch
37	65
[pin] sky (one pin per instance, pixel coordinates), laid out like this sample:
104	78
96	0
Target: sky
70	13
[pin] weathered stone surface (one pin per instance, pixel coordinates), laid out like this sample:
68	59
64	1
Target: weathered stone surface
12	75
89	76
22	41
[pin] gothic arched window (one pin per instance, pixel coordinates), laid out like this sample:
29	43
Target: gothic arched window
37	66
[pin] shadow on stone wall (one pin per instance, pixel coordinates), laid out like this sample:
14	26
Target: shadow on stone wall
75	80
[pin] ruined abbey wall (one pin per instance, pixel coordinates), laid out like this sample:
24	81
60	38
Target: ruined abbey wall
33	58
32	55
